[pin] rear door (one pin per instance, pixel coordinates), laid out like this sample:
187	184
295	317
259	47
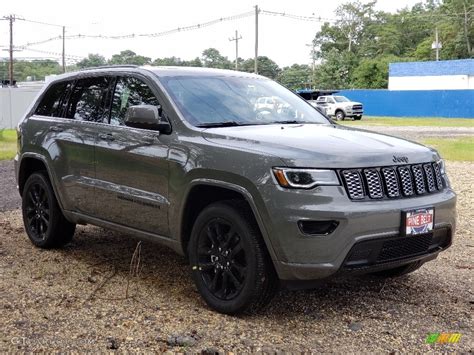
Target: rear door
85	110
131	164
65	119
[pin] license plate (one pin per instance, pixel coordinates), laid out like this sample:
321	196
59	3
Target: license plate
418	221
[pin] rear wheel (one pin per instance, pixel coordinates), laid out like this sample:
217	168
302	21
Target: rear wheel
231	268
340	115
399	271
44	222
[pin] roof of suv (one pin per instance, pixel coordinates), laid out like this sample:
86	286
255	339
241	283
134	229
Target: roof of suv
161	71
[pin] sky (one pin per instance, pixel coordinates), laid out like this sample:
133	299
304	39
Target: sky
284	40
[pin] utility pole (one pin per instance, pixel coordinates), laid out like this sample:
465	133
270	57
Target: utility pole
436	44
236	39
256	39
64	49
11	19
313	60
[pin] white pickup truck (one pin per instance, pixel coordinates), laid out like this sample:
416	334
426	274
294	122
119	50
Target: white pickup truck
339	107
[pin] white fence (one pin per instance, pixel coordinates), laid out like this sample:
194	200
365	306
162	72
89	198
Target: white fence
14	102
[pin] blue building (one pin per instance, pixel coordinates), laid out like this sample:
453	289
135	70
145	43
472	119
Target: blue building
440	75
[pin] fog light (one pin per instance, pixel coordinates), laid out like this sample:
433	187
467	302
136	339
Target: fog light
317	227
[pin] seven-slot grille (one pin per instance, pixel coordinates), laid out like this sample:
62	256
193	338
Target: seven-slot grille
392	182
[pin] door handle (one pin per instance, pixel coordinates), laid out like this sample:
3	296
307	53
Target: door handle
55	129
106	137
149	139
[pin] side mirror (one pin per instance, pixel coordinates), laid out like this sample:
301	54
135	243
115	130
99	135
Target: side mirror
147	117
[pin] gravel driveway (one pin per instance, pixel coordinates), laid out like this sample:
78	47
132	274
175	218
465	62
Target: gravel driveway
418	133
83	298
10	199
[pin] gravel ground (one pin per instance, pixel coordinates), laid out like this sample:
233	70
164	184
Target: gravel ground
10	198
82	298
417	133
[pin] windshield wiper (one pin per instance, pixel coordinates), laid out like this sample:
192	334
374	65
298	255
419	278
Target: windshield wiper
290	122
221	124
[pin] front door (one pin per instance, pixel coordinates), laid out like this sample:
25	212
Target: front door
131	165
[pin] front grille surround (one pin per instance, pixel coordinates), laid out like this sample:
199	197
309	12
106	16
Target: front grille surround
392	182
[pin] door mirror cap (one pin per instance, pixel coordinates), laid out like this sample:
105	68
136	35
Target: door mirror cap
147	117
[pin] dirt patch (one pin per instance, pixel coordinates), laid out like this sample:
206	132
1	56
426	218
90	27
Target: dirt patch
75	299
10	198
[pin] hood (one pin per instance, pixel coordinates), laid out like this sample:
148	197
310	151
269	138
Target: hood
322	146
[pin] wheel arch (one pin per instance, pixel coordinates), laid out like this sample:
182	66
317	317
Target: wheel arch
31	163
203	192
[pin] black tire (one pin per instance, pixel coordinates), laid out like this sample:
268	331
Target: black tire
340	115
399	271
44	222
230	264
357	118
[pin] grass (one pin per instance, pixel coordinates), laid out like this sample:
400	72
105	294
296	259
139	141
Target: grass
411	121
460	149
7	144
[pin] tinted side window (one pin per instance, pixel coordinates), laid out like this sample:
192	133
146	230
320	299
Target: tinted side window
52	102
88	100
129	92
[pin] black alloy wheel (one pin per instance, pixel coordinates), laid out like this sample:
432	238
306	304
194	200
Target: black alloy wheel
37	211
43	219
230	263
222	259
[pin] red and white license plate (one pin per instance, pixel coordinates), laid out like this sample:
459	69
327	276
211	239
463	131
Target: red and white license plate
419	221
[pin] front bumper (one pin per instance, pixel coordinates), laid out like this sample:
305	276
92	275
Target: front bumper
304	257
350	113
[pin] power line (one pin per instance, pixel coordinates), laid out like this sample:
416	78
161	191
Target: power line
39	42
69	56
298	17
164	33
40	22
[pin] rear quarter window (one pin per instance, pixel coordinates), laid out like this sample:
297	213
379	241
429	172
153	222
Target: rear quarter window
52	102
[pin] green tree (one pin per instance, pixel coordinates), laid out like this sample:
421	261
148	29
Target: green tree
129	57
212	58
170	61
372	73
335	70
459	26
92	60
196	62
266	67
295	77
32	70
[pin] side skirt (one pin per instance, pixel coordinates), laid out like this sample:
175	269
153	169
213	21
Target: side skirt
80	218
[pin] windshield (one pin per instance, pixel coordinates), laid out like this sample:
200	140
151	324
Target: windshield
341	99
208	101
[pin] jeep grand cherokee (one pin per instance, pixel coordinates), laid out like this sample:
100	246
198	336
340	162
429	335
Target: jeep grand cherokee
254	198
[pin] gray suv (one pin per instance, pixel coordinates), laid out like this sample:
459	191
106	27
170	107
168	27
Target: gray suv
253	197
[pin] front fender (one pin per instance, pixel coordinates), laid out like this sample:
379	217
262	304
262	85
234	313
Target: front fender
250	194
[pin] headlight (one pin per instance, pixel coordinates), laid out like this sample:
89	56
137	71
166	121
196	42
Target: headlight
442	168
444	175
305	178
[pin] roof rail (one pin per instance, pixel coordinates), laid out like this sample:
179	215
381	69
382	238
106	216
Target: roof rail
111	66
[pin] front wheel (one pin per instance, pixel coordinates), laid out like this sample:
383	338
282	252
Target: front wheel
340	115
357	118
44	222
231	268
